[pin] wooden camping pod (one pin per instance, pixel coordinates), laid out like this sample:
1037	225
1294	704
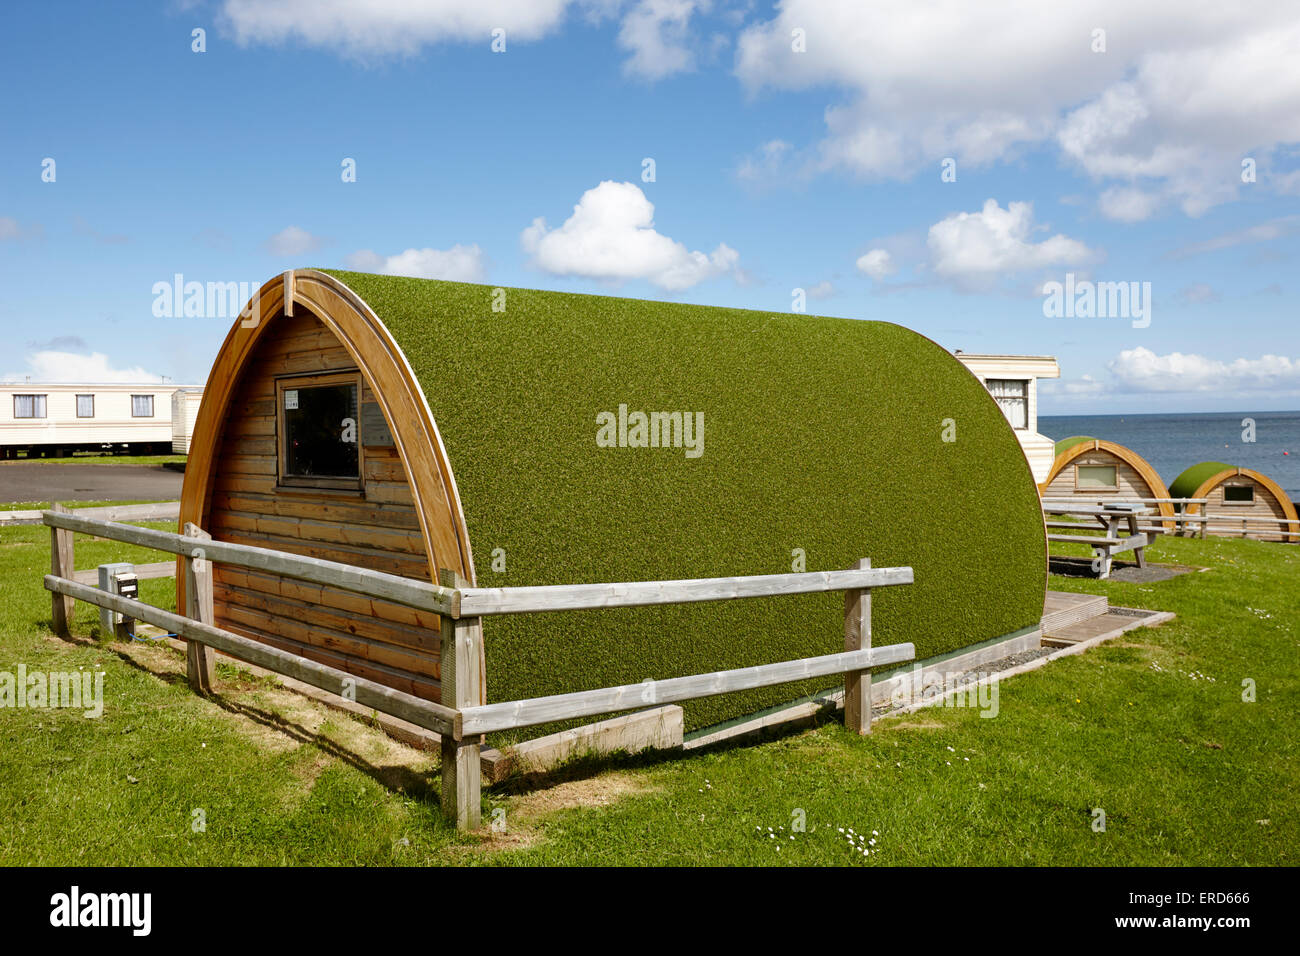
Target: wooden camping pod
1134	478
811	451
1260	497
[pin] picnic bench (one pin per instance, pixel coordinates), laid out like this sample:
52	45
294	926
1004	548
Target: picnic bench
1118	524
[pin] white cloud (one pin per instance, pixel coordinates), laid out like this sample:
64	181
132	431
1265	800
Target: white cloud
49	365
1083	386
293	241
1142	370
877	263
1197	293
656	33
1127	204
1261	232
822	290
12	229
379	27
457	264
767	164
983	245
1184	90
611	236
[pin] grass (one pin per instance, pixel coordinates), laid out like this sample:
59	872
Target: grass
1151	728
88	459
820	434
43	505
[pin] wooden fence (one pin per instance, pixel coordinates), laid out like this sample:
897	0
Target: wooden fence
462	717
152	511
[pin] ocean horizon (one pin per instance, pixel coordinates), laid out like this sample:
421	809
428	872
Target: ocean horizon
1172	442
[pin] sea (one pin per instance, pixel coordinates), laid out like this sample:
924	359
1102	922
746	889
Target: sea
1173	442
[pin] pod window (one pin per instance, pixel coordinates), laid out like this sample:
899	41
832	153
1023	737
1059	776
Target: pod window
319	431
1239	494
1096	478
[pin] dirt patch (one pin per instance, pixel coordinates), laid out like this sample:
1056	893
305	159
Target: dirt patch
916	725
519	828
590	793
513	837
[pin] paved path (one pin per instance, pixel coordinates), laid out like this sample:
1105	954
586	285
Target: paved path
20	481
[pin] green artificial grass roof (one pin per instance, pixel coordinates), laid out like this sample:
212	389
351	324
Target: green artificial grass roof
1065	444
822	436
1185	485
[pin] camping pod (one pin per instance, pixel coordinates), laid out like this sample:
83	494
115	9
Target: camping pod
1093	470
1234	493
520	438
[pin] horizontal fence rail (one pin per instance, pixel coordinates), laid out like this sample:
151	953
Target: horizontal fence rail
390	587
424	713
1105	501
480	602
1200	522
153	511
540	710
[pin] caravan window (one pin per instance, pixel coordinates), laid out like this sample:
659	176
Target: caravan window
29	406
142	406
85	406
1012	396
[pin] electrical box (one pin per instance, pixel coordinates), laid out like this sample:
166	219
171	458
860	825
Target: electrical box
118	579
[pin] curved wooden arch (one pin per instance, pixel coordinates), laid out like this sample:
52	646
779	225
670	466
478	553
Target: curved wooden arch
385	368
1126	455
1289	533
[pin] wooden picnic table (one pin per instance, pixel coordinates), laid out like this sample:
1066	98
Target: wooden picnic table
1119	524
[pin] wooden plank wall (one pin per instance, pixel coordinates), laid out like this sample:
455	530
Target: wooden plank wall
1264	506
393	645
1131	484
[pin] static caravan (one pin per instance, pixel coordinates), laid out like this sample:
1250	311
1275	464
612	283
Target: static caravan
1093	470
185	412
518	437
1012	380
54	420
1235	493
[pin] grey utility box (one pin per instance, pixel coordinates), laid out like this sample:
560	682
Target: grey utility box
117	579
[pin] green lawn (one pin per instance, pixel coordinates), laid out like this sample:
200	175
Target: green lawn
1150	728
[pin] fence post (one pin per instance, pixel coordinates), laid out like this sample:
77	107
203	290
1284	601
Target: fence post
62	564
857	636
198	607
461	666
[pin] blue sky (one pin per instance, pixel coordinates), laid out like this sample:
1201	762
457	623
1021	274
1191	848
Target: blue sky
775	169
